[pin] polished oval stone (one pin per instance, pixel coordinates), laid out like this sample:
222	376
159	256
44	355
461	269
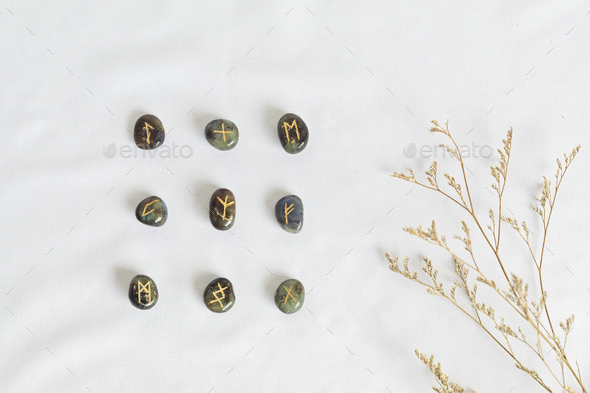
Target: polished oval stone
219	295
222	134
152	211
143	292
289	296
149	132
289	213
222	209
293	133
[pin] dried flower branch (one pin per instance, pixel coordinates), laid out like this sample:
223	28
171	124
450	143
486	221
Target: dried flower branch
533	313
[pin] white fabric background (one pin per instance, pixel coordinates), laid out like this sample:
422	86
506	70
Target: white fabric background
367	80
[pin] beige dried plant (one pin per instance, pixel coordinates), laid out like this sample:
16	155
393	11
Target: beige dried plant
530	315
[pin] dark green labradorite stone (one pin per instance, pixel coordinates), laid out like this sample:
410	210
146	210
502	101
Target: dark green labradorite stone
293	133
289	296
143	292
289	212
219	295
222	209
152	211
222	134
149	132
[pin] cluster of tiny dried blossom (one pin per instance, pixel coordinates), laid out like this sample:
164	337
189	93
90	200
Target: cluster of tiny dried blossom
534	313
440	376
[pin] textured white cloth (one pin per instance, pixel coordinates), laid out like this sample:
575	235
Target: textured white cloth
367	80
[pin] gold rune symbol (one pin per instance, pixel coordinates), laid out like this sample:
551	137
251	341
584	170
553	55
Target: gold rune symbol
147	288
288	211
289	293
290	127
146	206
225	205
223	131
146	128
218	299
